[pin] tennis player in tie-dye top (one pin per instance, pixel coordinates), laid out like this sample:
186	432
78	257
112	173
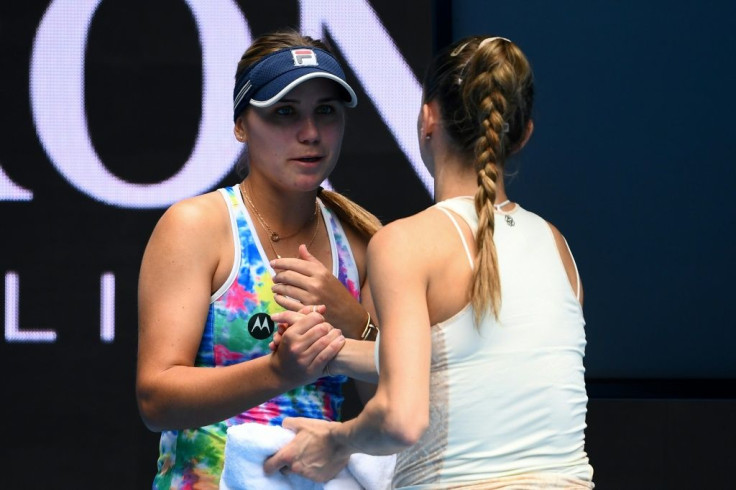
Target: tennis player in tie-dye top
238	329
207	288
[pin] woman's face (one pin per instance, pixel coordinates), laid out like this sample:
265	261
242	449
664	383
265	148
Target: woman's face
295	143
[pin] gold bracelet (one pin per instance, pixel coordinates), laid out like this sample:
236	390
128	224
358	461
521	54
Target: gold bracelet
369	327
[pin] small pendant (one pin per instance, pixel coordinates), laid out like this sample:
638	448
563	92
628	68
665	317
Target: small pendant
275	237
510	220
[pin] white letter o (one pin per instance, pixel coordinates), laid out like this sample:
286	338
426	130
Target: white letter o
57	101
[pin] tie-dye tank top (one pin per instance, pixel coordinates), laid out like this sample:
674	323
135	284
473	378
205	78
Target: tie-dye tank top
238	328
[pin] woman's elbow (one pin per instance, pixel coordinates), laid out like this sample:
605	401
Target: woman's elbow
150	411
405	429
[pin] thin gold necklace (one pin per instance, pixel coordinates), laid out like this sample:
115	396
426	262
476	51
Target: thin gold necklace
274	236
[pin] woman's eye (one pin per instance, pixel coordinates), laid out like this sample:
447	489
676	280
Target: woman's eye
325	109
285	110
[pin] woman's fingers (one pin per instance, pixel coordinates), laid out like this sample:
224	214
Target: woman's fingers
314	334
298	322
303	356
321	309
293	278
293	293
330	350
287	302
300	266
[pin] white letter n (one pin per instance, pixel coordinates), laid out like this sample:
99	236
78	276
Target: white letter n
378	64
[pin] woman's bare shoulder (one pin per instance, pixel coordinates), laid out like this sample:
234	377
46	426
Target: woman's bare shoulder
195	223
205	211
567	261
412	234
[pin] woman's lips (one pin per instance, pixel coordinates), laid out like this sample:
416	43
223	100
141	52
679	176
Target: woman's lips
311	159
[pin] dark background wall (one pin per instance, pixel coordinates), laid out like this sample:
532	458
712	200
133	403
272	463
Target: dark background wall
631	159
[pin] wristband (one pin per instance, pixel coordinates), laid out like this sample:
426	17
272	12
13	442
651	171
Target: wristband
369	327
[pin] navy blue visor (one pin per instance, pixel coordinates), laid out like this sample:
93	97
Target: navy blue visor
272	77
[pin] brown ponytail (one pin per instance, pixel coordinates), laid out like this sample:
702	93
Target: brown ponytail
349	212
485	92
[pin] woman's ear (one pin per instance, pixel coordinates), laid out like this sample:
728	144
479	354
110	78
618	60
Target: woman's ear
428	118
239	130
527	134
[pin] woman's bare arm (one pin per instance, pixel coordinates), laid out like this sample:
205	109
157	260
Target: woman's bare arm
174	289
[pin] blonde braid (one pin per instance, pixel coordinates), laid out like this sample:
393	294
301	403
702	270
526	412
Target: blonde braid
485	289
485	90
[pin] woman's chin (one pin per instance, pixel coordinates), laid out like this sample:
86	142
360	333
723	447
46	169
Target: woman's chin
309	183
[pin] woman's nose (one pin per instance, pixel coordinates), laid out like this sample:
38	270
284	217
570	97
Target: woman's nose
308	132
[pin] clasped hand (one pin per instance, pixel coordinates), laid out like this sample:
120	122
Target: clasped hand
306	281
313	453
301	351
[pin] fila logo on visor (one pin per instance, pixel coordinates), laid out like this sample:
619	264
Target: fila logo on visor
304	57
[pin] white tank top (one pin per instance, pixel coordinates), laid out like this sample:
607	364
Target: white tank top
507	399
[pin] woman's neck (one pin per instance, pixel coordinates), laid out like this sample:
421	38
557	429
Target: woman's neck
455	177
282	210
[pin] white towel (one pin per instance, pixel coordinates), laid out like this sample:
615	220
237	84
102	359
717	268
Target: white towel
248	445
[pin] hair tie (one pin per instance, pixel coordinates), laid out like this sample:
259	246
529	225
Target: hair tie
489	39
457	50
